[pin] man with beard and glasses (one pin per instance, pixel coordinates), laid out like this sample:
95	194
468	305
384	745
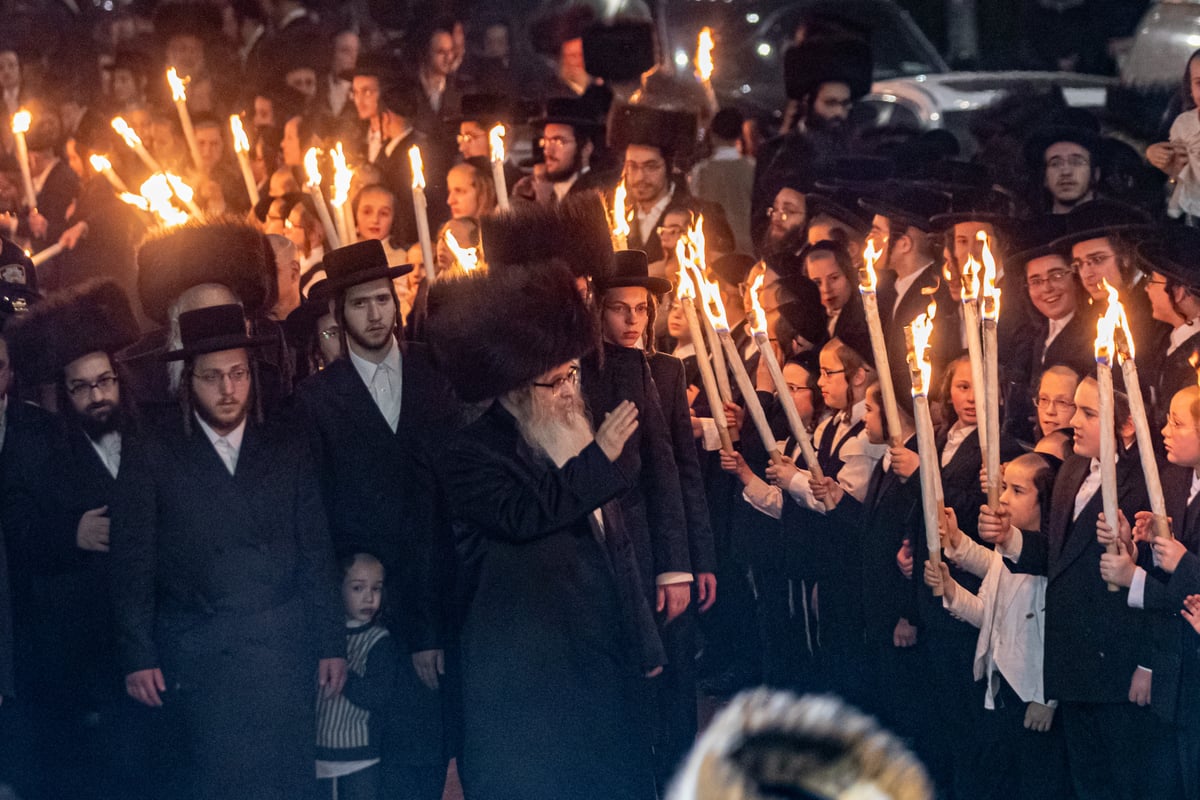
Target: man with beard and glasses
222	575
824	77
375	417
84	733
568	141
557	635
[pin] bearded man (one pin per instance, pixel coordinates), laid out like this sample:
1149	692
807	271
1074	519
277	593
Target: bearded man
556	634
569	134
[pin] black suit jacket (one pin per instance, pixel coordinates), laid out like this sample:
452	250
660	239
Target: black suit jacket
203	560
946	344
1094	641
671	382
397	176
719	236
379	488
1175	372
7	683
58	192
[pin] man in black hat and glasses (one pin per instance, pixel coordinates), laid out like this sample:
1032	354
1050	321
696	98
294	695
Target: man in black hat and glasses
375	416
223	579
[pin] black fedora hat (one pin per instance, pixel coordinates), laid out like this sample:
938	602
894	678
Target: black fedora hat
1035	238
358	263
980	205
382	66
578	112
213	329
630	268
908	204
1173	250
734	268
620	50
1041	139
824	59
1097	219
486	109
841	204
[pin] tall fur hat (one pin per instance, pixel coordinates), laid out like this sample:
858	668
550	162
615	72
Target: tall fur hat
773	744
828	58
548	33
225	251
620	50
92	317
574	231
672	132
495	331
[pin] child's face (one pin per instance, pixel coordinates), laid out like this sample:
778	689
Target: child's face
1181	438
1194	80
362	590
1020	498
873	418
962	395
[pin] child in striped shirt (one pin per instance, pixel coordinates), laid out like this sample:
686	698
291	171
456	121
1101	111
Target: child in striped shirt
348	725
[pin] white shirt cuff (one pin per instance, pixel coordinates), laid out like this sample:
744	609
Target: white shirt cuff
1137	589
710	438
671	578
1016	542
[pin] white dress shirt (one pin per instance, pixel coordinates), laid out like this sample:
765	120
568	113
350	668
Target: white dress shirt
1181	334
648	221
858	457
229	446
384	381
374	144
954	439
1055	327
1091	484
109	450
904	284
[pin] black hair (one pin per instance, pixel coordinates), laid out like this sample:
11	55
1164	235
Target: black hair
1186	88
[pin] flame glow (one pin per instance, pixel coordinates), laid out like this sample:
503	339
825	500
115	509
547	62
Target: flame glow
342	177
467	257
1194	360
1114	320
418	167
21	121
620	216
922	331
241	142
126	132
135	200
311	171
867	278
157	192
690	252
758	316
686	291
970	279
704	57
991	294
496	142
178	85
99	163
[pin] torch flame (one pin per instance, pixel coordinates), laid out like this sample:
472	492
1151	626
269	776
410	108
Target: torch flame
467	257
241	143
135	200
21	121
704	58
867	278
991	294
342	177
686	291
758	316
418	167
179	188
620	216
311	170
126	132
710	293
496	142
178	85
1114	320
1194	360
158	190
970	278
99	162
922	331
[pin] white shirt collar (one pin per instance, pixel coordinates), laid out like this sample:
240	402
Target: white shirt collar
108	448
685	351
1182	333
395	141
954	438
649	221
233	439
726	152
1056	326
383	382
905	283
366	369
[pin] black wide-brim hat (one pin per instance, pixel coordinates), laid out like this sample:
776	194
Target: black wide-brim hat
1174	251
578	112
1041	139
620	50
212	330
825	59
486	109
1034	238
550	31
908	204
630	268
382	66
1097	219
359	263
841	204
298	325
977	205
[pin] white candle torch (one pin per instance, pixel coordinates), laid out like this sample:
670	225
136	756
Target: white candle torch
758	327
466	257
20	126
241	147
695	250
103	166
184	192
918	334
135	144
342	178
868	285
421	210
1105	347
990	424
313	174
496	145
179	96
42	256
685	295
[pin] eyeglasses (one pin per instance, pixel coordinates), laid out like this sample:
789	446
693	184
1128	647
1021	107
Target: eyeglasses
83	388
330	333
624	309
633	168
556	386
215	377
828	373
672	230
555	141
780	214
1074	162
1055	277
466	138
1052	404
1153	282
1094	261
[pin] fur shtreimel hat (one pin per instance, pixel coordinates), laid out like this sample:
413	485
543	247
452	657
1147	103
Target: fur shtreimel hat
574	231
773	744
495	331
672	131
825	59
225	251
92	317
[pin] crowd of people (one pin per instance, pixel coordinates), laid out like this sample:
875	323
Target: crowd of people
286	511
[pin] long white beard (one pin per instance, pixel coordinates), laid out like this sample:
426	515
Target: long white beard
555	426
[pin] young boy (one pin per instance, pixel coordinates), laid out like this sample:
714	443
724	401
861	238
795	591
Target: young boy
347	727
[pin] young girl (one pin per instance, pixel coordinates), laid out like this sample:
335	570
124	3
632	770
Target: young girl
1175	156
348	725
1009	611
